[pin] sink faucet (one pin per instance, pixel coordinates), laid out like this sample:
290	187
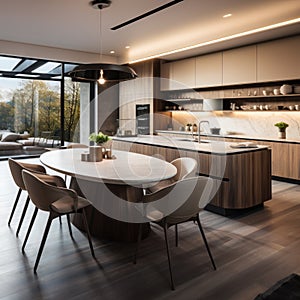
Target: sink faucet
199	128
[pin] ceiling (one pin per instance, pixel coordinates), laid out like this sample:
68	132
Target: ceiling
74	25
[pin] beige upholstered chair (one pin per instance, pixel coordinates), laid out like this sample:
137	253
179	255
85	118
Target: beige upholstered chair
186	167
16	168
76	145
72	146
178	203
57	201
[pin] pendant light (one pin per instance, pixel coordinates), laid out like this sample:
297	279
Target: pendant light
102	72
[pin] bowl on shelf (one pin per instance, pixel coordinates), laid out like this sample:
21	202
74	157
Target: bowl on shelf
286	89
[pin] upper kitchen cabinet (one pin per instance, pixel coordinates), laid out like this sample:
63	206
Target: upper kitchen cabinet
239	65
209	70
181	74
279	59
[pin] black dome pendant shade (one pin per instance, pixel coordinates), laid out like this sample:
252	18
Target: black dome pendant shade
111	72
102	72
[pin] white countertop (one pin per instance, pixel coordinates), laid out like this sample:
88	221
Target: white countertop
216	147
234	136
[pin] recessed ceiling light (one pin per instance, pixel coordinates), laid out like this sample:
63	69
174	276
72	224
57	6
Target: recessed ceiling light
127	47
112	52
227	16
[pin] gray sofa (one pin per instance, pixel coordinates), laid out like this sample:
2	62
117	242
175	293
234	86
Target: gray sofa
12	144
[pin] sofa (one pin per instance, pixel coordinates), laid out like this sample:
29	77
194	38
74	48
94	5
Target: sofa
12	144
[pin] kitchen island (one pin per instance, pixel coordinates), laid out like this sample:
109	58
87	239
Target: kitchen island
242	176
285	152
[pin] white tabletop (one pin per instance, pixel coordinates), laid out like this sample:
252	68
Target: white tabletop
127	167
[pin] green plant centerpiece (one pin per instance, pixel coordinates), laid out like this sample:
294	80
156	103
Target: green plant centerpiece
99	138
282	128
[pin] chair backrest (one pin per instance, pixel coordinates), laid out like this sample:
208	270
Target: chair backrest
43	194
16	168
181	200
76	145
186	167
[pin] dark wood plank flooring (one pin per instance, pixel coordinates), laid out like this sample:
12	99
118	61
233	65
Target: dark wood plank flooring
252	252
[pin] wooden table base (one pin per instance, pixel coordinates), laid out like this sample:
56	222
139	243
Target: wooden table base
103	226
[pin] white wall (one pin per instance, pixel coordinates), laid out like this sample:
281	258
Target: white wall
35	51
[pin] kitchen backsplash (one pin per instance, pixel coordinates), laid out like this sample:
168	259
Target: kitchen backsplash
256	123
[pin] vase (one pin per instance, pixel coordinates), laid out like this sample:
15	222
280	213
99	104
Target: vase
96	153
282	134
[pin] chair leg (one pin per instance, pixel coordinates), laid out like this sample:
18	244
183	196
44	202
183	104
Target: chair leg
139	238
23	215
50	218
60	222
69	225
205	242
176	235
169	257
15	205
29	228
88	232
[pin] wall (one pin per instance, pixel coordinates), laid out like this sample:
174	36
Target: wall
51	53
256	123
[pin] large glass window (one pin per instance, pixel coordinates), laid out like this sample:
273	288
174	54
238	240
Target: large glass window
31	100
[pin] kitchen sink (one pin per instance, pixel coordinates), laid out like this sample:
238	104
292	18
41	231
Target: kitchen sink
193	140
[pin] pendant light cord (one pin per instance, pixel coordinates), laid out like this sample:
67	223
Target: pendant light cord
100	25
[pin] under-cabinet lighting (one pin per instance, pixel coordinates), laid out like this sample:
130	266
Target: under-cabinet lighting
222	39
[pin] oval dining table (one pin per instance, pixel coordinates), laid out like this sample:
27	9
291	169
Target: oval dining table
113	186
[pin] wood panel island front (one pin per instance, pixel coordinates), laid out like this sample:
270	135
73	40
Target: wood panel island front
242	176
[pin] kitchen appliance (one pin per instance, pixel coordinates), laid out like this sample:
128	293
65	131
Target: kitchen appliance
215	130
142	112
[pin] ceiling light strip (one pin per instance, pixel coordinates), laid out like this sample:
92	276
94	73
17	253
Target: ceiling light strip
223	39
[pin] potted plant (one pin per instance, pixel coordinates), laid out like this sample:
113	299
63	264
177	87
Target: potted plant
282	129
188	127
99	138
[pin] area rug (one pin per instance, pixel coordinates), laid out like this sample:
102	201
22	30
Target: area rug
287	288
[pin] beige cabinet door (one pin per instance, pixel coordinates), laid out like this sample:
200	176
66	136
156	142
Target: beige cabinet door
165	76
183	74
279	59
209	70
239	65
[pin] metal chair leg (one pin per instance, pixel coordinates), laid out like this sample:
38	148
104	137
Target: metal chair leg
14	206
50	218
23	215
69	225
88	232
29	229
176	235
169	257
205	241
139	238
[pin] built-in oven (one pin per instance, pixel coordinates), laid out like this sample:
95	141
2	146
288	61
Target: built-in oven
142	113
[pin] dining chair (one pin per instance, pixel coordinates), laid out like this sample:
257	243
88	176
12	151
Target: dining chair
58	201
75	146
186	167
175	204
16	168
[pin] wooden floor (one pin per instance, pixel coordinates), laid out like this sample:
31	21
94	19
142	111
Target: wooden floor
251	252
